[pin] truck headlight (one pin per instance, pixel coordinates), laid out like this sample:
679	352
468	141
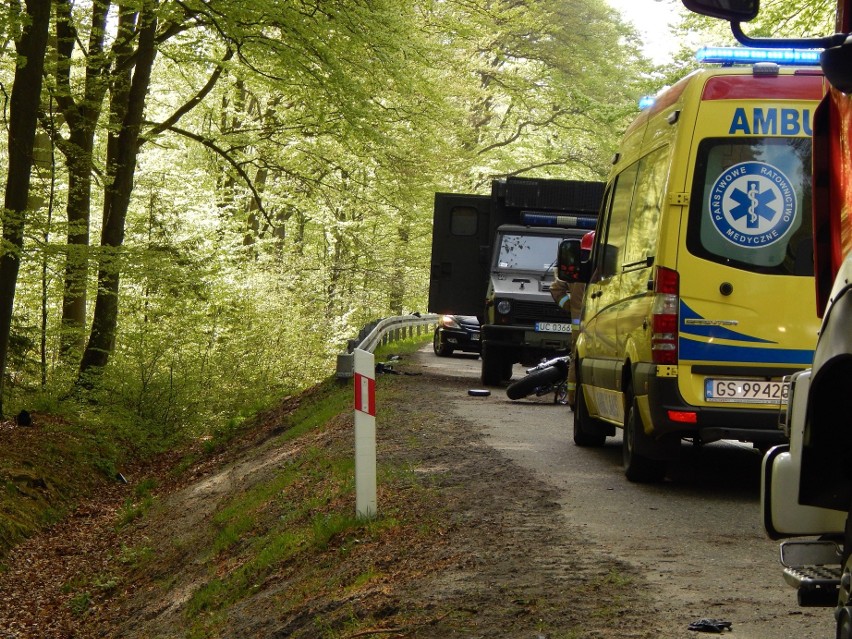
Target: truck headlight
504	306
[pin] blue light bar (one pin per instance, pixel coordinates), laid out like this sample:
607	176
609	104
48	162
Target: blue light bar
747	55
570	221
646	101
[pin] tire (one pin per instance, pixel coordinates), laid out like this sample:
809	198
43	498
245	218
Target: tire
638	468
843	613
844	623
506	373
588	432
492	366
441	349
528	384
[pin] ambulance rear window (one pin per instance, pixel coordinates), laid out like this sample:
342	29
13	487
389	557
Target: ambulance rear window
750	205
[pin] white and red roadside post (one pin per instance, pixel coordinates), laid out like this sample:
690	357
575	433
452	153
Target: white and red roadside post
365	434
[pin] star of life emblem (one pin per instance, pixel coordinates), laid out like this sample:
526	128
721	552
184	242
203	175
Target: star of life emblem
753	204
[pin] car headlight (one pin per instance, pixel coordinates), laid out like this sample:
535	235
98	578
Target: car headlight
447	321
504	306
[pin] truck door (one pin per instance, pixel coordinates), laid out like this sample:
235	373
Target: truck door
461	237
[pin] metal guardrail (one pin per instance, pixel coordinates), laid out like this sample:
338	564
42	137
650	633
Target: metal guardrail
384	331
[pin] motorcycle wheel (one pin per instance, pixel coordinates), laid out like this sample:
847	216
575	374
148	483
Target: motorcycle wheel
526	385
560	394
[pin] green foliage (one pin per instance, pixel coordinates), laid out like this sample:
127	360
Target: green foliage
794	18
327	527
135	557
80	603
283	192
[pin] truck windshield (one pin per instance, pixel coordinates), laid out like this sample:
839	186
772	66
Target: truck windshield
527	252
750	205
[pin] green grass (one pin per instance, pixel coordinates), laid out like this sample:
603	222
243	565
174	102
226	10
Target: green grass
304	511
300	519
613	583
264	526
403	347
135	507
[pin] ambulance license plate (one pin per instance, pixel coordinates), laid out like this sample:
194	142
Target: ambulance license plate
552	327
745	391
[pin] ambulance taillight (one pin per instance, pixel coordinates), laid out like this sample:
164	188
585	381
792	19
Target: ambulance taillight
664	316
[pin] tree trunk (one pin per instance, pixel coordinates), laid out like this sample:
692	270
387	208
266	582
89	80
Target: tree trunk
23	117
396	295
77	259
82	119
122	162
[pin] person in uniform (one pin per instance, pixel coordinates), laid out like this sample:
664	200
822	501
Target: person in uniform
569	297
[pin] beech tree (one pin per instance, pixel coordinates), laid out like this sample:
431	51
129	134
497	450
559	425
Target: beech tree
266	173
127	108
81	116
23	108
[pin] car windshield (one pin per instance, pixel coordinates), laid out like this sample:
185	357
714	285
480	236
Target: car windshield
527	252
751	204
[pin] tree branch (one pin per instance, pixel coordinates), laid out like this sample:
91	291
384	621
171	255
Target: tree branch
519	130
224	154
191	103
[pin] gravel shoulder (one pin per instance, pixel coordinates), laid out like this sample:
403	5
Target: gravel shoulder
696	540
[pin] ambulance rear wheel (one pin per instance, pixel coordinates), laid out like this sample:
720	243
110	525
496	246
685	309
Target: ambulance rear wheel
843	613
638	468
844	623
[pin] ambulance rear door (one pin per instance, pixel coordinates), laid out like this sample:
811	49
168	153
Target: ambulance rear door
747	308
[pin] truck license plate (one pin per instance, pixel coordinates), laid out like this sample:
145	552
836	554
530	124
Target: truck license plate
745	391
552	327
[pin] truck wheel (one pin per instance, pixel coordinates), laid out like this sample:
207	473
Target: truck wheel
844	623
492	366
638	468
508	365
843	614
588	432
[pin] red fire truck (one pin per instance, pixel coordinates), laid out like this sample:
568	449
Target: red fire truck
806	494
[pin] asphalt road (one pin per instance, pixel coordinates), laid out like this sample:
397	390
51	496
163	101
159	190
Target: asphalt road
697	537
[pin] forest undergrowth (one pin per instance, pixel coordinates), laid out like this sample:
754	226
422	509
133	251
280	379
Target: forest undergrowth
257	537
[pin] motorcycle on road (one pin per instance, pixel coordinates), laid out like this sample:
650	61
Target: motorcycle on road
549	376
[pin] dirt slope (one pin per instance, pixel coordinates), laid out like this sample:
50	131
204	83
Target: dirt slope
468	545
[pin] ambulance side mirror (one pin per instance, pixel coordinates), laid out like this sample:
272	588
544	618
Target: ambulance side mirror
570	266
837	65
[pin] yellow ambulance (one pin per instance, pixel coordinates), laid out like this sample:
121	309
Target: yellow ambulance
700	294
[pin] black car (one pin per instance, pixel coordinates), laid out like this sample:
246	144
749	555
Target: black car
456	333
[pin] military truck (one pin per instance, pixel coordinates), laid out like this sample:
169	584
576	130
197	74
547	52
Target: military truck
493	257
